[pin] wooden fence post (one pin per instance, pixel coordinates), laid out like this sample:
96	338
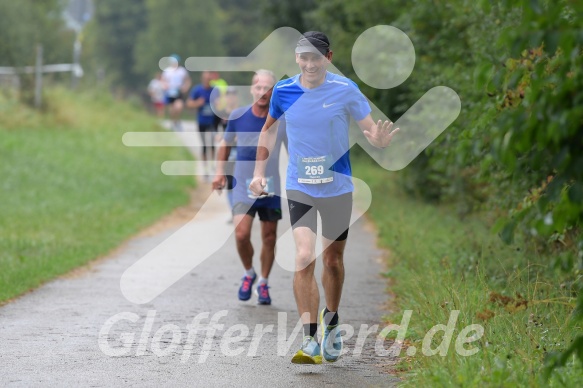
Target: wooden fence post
38	84
76	59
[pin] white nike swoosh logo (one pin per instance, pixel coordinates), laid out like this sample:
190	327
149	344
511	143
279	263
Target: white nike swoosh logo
326	106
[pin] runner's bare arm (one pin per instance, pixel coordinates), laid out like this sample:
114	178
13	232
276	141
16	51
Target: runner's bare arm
186	85
191	103
264	147
222	155
378	134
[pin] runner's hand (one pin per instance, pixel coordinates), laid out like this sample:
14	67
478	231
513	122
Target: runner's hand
257	186
380	134
219	183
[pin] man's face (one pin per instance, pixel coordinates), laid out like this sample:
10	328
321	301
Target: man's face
313	66
261	90
206	77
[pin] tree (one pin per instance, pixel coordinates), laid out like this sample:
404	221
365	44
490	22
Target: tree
183	27
282	13
26	23
242	25
114	31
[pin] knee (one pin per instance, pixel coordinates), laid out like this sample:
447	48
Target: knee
304	260
269	239
333	261
242	236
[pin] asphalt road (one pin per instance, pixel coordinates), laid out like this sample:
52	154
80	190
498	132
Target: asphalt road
81	330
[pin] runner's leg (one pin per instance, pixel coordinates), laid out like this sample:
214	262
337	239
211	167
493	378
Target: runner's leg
335	213
243	239
268	237
333	272
306	290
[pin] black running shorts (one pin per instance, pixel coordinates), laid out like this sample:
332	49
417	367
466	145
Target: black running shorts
265	213
334	211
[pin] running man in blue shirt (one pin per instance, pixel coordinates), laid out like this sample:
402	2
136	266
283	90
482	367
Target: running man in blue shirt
244	127
200	98
318	106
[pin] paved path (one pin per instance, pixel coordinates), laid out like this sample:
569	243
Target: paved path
59	334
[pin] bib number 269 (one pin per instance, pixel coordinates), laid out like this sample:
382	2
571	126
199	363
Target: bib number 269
314	170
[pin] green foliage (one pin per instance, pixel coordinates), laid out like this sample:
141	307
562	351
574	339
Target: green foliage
539	93
71	191
129	38
439	263
554	361
282	13
26	23
241	29
184	27
514	153
112	37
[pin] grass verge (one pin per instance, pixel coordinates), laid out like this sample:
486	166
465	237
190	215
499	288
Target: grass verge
440	264
71	191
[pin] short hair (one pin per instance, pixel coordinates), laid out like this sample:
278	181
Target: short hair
267	73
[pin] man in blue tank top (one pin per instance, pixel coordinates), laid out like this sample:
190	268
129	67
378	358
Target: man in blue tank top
318	106
244	127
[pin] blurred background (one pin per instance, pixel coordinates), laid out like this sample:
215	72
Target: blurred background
492	209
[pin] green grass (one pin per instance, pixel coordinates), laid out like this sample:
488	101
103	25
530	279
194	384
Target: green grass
439	263
71	191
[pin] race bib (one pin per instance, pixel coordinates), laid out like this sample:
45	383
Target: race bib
269	188
315	170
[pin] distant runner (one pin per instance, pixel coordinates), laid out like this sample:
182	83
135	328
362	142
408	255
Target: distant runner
200	98
177	83
156	91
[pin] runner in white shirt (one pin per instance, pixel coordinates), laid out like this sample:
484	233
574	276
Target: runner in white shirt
177	83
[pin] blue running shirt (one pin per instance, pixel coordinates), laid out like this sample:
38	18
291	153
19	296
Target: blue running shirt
245	130
206	116
317	125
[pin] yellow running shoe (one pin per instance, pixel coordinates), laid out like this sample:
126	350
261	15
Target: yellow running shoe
331	341
309	353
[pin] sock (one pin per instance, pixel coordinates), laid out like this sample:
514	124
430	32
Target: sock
250	272
329	319
262	280
310	329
